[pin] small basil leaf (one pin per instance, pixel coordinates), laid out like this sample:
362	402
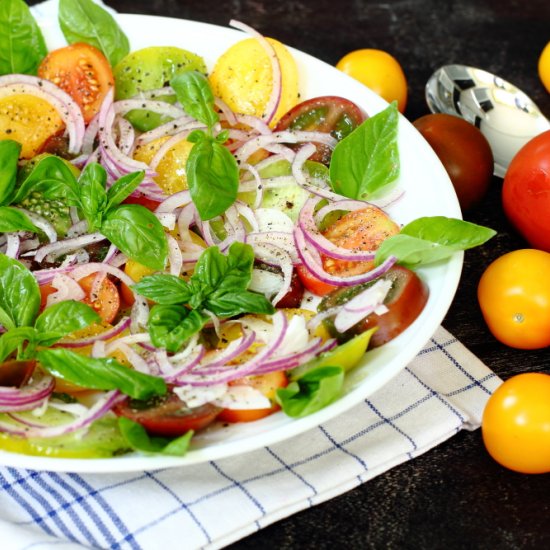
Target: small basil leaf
100	373
19	294
213	178
86	21
211	268
228	304
171	326
22	46
9	157
63	318
367	159
93	195
163	289
12	219
138	233
195	95
138	439
13	339
123	188
311	392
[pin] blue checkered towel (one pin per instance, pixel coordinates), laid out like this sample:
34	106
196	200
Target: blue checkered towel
213	504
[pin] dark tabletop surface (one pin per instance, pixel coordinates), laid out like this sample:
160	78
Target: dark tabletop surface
454	496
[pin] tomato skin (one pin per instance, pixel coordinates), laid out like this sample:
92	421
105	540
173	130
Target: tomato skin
312	283
167	415
83	72
526	191
516	423
150	204
464	152
15	372
332	114
379	71
514	297
293	298
544	67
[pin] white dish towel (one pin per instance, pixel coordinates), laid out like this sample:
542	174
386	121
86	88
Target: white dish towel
213	504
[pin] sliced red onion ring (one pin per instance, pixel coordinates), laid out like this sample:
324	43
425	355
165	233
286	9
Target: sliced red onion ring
64	104
177	200
166	129
42	223
135	359
184	367
275	255
13	243
28	397
218	361
321	243
175	257
173	141
313	263
280	239
67	289
54	250
160	107
276	74
120	327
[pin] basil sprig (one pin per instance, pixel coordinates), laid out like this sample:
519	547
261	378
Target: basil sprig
134	229
86	21
219	284
212	171
11	219
430	239
22	45
19	306
367	160
100	373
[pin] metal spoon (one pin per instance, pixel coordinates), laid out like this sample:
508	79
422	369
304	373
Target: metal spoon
505	115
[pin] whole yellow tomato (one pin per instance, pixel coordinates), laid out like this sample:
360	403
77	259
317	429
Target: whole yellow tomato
544	66
379	71
514	296
516	423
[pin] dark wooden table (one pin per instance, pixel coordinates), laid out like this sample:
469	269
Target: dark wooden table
454	496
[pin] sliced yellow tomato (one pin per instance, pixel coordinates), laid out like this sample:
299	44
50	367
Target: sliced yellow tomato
30	120
172	176
243	78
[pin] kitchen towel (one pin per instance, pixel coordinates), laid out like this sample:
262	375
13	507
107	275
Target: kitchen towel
213	504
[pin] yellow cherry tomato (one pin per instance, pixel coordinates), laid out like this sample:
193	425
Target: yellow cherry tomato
514	297
30	120
171	174
379	71
544	66
516	423
243	78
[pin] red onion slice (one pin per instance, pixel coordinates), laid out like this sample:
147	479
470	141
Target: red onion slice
120	327
28	397
54	250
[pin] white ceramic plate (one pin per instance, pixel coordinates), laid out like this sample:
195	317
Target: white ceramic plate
428	191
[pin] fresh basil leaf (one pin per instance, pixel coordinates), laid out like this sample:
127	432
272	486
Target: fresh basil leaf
367	159
13	339
123	188
138	233
60	319
52	177
9	157
22	46
213	178
163	289
86	21
311	392
100	373
195	95
12	219
93	194
228	304
431	239
171	326
19	294
138	439
210	268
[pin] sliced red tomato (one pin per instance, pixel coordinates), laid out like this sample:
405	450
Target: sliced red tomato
107	302
143	200
332	114
83	72
265	383
312	283
167	415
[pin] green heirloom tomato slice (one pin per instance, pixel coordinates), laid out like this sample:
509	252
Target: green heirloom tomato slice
150	69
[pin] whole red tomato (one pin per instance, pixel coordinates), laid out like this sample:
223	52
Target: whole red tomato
464	152
526	191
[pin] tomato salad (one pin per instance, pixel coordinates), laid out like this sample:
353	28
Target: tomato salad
180	247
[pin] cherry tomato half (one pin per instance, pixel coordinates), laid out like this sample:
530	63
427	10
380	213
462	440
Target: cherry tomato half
379	71
464	152
526	191
332	114
516	423
83	72
514	297
167	415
